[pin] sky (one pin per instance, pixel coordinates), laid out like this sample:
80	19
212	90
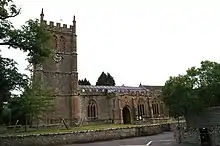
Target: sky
136	41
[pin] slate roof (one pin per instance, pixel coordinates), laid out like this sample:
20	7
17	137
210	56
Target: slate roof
154	88
118	89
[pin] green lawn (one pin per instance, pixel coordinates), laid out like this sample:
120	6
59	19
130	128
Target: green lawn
4	132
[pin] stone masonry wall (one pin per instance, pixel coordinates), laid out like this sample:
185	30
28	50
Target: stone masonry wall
82	137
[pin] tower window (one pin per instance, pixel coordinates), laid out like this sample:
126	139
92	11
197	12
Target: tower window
54	42
62	44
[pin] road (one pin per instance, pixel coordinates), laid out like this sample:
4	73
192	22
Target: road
163	139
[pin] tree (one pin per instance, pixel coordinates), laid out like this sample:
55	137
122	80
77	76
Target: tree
110	80
179	96
10	80
102	79
32	38
105	80
35	100
84	82
194	91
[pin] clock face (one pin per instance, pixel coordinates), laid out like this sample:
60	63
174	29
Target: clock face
57	57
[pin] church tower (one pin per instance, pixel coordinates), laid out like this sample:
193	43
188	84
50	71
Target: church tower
60	71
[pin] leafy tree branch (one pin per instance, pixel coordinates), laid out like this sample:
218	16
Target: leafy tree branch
194	91
10	10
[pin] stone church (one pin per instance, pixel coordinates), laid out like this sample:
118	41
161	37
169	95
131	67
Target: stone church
91	104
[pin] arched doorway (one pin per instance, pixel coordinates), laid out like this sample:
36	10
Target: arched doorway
126	115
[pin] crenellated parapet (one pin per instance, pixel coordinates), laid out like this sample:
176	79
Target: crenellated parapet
59	27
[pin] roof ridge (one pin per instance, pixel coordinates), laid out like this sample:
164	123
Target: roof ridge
112	86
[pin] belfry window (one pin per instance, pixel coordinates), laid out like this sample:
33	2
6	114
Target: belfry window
62	44
92	109
54	42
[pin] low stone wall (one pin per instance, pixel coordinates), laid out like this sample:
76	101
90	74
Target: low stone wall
83	136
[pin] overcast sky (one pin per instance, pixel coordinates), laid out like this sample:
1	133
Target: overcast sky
134	40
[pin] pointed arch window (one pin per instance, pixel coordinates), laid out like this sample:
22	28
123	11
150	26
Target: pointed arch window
92	109
155	108
141	108
54	42
62	43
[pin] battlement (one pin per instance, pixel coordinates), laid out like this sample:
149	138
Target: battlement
58	25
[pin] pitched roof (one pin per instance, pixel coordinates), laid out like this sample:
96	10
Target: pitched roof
149	87
112	88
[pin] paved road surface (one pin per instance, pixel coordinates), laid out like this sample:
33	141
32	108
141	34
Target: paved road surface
164	139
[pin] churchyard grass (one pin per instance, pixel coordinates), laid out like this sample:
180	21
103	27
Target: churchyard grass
58	129
20	131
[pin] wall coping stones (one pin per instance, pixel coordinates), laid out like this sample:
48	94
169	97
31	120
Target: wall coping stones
75	132
62	138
